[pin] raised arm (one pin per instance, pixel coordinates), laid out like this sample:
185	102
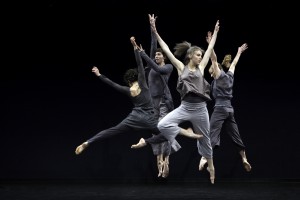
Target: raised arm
141	76
209	49
153	39
168	68
177	63
241	49
120	88
213	58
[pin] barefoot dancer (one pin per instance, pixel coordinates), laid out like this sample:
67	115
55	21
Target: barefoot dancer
223	113
162	101
194	91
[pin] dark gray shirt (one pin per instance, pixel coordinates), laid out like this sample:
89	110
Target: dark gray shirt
222	89
156	73
143	100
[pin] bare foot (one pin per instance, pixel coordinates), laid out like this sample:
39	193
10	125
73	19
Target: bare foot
247	166
141	143
160	168
165	172
193	135
190	133
212	174
81	147
202	163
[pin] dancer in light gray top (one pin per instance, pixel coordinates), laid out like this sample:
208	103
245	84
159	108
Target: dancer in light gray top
194	91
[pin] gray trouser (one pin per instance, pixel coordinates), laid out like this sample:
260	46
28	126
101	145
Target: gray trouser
197	114
137	120
221	118
160	107
166	148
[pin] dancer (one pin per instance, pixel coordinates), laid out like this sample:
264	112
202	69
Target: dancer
142	116
223	112
194	91
159	73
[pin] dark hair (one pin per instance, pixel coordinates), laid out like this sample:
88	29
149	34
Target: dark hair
160	50
130	76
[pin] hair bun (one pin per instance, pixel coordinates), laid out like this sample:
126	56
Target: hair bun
226	61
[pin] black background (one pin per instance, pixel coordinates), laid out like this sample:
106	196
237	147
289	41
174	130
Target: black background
51	101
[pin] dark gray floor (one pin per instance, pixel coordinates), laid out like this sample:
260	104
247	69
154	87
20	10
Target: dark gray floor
79	190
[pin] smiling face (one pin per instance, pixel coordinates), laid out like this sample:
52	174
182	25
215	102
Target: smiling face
159	58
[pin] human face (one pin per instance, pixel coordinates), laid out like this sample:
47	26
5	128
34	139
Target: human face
196	57
159	58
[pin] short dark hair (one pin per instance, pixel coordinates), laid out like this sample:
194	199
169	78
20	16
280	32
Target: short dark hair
160	50
130	76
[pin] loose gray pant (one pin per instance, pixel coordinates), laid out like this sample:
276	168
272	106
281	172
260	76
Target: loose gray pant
197	114
222	118
166	148
137	120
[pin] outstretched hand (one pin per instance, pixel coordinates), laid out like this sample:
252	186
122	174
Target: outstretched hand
243	48
96	71
208	37
132	40
152	20
134	44
140	48
217	26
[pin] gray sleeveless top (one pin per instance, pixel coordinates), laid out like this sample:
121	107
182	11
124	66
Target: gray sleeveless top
222	90
193	82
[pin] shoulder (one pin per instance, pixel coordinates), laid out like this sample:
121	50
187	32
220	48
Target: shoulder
169	66
229	73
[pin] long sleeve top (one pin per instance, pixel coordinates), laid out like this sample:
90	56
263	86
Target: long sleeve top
157	85
141	101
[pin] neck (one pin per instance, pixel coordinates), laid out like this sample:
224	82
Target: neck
161	64
192	67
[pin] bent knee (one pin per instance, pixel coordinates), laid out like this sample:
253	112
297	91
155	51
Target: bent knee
162	125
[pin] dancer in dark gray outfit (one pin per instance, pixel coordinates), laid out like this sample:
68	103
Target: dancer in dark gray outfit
158	77
194	91
142	116
223	113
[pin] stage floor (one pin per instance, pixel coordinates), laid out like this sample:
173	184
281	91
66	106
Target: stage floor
93	190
